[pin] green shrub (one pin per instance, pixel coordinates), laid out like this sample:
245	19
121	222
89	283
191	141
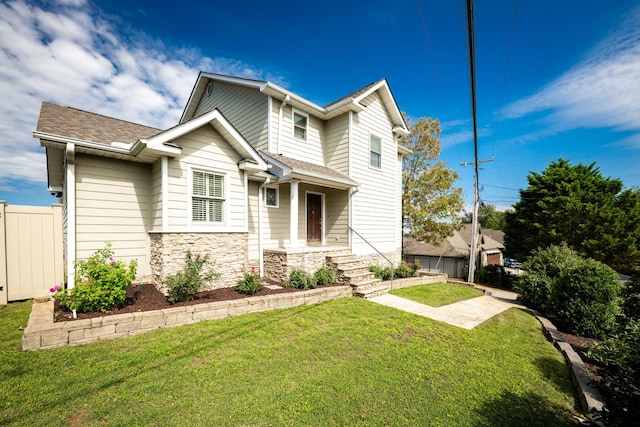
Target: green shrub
100	283
541	270
184	285
631	298
385	273
580	295
325	276
301	279
250	282
403	270
584	300
620	375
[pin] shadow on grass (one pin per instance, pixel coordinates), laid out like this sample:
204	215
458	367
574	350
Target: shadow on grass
528	409
557	372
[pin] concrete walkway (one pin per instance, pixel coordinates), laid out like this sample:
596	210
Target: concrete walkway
464	314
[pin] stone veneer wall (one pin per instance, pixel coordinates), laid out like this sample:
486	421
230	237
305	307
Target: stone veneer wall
377	259
227	252
278	263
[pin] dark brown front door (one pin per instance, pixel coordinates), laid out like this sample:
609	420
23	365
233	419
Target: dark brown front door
314	218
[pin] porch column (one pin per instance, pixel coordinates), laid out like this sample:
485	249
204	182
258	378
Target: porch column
293	214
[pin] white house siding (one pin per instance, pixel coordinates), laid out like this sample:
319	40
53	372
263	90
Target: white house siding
275	221
337	144
309	150
245	108
374	205
337	217
205	148
113	204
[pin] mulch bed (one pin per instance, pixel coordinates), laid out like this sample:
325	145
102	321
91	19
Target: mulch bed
146	298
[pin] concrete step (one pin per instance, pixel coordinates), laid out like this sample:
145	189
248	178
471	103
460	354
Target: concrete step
356	277
363	285
356	269
372	291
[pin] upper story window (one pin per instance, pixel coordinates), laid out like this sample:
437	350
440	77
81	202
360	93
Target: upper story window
300	122
271	197
207	197
375	152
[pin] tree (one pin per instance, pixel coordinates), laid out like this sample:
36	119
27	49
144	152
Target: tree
431	205
488	217
579	206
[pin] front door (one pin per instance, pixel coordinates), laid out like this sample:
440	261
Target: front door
314	218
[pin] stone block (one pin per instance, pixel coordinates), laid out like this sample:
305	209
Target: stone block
180	318
117	318
113	336
152	320
128	326
98	331
238	307
54	338
73	325
31	341
257	304
76	335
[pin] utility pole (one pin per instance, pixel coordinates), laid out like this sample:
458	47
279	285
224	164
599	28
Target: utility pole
473	256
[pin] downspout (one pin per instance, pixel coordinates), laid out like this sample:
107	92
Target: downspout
245	176
280	119
260	238
71	214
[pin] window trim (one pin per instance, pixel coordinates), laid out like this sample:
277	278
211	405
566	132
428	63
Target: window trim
226	197
277	190
379	153
295	112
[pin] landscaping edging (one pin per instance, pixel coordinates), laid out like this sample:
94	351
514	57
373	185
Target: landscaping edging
43	333
589	396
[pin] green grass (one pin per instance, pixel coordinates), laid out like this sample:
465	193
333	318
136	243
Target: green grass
344	362
13	319
437	294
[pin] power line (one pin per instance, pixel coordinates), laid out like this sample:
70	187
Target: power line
504	78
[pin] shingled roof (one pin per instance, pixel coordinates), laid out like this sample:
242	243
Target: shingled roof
306	168
82	125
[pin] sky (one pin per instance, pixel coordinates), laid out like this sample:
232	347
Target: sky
553	78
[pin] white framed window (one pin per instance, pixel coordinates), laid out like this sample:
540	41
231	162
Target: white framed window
271	197
300	124
375	152
208	197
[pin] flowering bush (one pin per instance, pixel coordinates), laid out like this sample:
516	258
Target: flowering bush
100	283
184	285
250	282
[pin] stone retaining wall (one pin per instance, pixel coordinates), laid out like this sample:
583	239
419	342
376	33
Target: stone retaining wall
42	332
227	255
279	263
421	280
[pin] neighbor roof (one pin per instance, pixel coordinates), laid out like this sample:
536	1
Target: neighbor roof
452	247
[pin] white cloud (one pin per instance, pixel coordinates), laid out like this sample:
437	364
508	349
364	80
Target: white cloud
601	91
69	54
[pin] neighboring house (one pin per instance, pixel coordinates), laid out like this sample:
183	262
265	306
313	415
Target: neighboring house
253	175
452	255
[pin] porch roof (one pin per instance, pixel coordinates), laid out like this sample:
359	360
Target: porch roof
286	168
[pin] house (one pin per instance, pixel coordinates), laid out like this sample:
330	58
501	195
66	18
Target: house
253	175
451	256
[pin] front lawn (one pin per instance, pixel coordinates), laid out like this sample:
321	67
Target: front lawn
437	294
344	362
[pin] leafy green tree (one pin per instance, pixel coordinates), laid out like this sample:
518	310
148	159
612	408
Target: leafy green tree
577	205
488	217
431	205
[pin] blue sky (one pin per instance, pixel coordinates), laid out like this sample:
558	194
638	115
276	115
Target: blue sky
571	88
